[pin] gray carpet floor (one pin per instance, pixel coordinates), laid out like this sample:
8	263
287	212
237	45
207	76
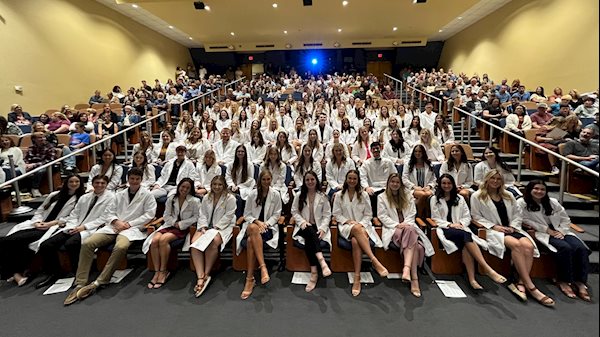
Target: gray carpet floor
384	308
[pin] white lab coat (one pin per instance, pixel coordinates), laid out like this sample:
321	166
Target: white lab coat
95	219
463	177
482	168
348	136
41	214
256	155
299	176
321	212
486	214
398	156
195	151
409	179
288	156
114	176
223	220
252	211
537	220
150	151
225	153
460	214
387	214
345	209
149	177
444	137
328	154
301	136
245	187
188	213
205	175
374	173
278	181
137	213
359	152
187	170
327	133
336	175
170	154
412	136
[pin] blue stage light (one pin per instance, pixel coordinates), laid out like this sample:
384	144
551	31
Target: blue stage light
314	61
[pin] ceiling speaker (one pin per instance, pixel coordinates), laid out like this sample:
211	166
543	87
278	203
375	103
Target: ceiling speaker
199	5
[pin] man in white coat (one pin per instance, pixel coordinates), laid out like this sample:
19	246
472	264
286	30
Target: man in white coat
225	148
374	174
324	131
124	220
175	169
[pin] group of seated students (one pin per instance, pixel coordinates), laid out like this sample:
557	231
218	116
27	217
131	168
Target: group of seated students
259	159
83	222
558	118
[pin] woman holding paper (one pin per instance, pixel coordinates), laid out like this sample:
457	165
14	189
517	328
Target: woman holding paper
215	229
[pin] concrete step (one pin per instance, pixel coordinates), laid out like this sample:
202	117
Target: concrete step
572	202
583	216
594	262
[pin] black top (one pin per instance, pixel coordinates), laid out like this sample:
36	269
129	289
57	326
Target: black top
450	203
174	173
60	203
261	216
502	212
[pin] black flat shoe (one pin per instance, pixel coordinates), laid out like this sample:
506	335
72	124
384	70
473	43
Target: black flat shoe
48	281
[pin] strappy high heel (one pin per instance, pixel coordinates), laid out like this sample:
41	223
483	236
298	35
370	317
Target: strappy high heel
246	293
264	274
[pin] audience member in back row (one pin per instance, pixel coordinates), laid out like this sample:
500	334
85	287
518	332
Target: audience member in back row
496	210
9	128
8	148
18	116
552	229
123	221
15	247
39	154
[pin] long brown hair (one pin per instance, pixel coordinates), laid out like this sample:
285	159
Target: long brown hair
357	189
400	200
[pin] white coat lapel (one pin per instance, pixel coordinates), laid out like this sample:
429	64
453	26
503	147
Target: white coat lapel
493	212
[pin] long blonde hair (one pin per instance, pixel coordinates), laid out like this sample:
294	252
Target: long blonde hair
399	201
484	193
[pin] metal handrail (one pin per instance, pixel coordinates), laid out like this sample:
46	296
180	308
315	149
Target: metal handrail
92	145
522	140
397	82
194	99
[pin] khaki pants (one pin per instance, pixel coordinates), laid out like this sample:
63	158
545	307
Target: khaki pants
86	256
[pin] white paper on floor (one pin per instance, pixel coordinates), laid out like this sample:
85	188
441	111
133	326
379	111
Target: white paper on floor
450	289
394	276
60	286
365	277
119	275
300	278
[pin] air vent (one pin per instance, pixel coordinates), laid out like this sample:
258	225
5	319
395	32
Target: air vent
218	47
361	43
265	45
318	44
411	42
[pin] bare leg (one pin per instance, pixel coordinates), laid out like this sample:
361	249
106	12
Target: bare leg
154	250
324	267
475	252
314	277
212	252
360	234
253	239
164	252
414	277
470	265
357	260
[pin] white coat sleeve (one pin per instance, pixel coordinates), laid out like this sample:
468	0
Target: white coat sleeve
186	223
477	209
436	213
229	217
149	212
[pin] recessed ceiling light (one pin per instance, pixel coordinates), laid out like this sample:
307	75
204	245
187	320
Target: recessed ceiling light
395	28
274	5
134	6
344	3
191	38
339	30
285	32
232	34
395	43
460	17
171	27
207	8
288	46
441	30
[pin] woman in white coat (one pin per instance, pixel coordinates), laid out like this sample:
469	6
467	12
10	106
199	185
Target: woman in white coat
450	212
240	174
553	229
140	160
396	148
145	145
312	214
89	213
497	210
181	211
353	213
165	150
458	167
491	160
273	163
336	169
107	167
418	177
206	171
261	215
215	229
397	212
306	162
15	246
173	172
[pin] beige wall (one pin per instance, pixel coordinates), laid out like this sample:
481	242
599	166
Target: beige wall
60	51
542	42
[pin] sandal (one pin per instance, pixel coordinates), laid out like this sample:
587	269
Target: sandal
246	293
157	285
406	279
567	290
520	295
312	283
264	274
545	300
475	285
414	288
200	287
356	286
583	294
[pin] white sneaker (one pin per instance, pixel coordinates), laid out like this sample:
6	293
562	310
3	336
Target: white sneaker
35	193
555	170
